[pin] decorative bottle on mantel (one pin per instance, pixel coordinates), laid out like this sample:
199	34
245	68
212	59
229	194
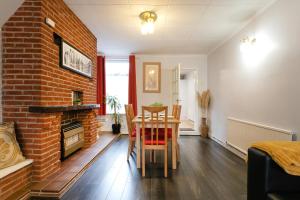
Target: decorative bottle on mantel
204	100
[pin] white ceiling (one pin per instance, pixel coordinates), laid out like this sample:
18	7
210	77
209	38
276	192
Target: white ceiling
182	27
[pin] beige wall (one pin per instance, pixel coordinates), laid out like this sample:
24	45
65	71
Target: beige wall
266	92
168	62
7	8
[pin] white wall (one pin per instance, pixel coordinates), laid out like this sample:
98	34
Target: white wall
168	62
191	101
7	8
268	92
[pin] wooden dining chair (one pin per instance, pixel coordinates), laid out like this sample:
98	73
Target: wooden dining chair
131	128
174	109
177	116
176	112
155	140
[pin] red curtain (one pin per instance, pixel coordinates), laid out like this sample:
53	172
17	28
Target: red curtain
101	88
132	99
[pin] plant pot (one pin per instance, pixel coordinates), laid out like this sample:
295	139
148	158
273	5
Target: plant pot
116	128
204	128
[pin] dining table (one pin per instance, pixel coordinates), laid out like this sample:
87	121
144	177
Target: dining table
172	123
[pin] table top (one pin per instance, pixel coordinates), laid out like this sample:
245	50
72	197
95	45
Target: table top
171	120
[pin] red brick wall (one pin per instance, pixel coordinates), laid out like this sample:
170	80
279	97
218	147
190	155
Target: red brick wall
14	182
89	123
69	117
32	76
58	83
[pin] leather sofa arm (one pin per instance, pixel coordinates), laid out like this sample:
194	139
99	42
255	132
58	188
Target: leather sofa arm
265	176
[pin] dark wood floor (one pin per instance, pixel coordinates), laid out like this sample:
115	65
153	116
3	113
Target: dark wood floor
207	171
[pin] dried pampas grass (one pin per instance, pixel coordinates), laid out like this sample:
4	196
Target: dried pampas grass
204	99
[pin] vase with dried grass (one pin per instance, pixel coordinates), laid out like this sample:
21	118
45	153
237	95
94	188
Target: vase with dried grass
204	100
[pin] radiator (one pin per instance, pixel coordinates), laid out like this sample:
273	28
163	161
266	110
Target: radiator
241	134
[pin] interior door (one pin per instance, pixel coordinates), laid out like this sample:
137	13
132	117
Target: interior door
175	85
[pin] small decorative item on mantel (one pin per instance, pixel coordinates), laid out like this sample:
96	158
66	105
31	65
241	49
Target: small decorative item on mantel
115	106
204	100
77	98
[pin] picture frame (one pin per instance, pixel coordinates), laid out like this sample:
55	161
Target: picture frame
74	60
151	77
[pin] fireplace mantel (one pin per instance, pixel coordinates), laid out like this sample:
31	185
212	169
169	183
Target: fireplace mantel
54	109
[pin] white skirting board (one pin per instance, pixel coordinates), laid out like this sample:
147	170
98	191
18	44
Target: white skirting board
196	133
230	148
242	134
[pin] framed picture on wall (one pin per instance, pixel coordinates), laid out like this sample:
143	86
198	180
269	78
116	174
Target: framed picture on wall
74	60
151	77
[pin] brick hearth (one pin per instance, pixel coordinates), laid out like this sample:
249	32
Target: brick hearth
32	77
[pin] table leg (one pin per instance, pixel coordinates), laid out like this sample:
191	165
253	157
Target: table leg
174	142
138	146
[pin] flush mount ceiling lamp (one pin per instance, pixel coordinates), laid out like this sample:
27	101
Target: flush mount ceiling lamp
147	22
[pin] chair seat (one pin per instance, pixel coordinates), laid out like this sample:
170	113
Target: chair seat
160	141
161	132
147	131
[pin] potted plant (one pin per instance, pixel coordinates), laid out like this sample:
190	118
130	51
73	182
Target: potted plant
156	104
77	102
115	105
204	100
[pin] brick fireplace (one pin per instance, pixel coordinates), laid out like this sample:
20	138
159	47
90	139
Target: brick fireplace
36	90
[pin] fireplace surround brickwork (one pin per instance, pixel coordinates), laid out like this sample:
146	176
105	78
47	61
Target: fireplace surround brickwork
32	77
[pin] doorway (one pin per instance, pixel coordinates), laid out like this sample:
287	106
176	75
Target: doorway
188	100
184	92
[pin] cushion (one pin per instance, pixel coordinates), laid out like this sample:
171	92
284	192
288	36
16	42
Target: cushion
162	132
10	153
147	132
160	141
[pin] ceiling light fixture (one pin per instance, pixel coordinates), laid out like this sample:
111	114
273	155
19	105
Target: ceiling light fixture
147	22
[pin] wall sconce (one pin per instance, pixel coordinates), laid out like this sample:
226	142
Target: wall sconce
254	50
249	51
247	44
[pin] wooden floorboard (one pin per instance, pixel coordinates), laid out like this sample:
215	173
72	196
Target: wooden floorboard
207	171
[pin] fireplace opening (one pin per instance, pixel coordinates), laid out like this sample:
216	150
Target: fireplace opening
72	139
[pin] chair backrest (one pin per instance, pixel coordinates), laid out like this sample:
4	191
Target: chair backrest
155	119
176	111
177	116
129	117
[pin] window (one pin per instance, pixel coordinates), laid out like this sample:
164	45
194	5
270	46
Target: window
117	81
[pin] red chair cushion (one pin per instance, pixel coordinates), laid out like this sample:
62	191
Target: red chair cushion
133	134
160	141
161	132
147	131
